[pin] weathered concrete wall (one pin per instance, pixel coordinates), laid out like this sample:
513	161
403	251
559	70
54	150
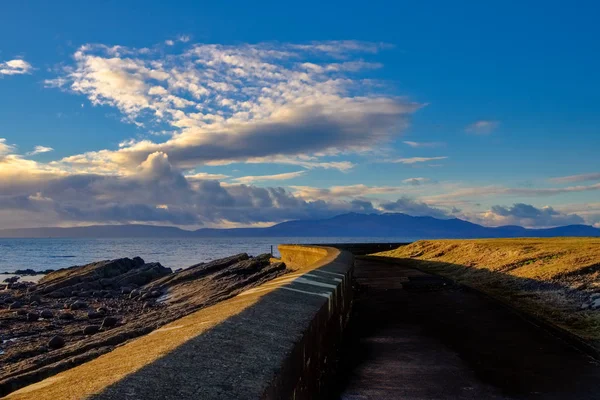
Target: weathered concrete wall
275	341
307	372
361	249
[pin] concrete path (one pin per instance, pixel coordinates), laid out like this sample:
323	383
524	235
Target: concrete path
417	336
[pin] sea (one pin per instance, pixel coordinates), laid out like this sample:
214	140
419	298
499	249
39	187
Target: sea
55	253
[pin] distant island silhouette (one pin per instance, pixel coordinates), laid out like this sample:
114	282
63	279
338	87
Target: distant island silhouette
346	225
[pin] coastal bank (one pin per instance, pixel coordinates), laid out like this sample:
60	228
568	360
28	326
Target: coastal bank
277	340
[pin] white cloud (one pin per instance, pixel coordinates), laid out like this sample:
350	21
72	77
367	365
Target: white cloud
15	67
343	192
482	127
528	216
416	181
262	178
5	148
242	103
414	160
40	150
202	176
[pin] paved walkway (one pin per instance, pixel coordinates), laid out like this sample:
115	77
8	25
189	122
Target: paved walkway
416	336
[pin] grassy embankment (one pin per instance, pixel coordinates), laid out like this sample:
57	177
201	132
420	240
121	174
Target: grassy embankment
556	279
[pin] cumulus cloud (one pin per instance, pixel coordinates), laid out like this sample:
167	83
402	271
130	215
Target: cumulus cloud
15	67
227	104
416	181
5	148
482	127
40	150
576	178
413	207
529	216
262	178
414	160
156	193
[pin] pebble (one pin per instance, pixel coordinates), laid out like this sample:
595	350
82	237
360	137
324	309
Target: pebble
95	315
47	314
109	322
56	342
33	316
14	305
91	329
66	316
596	304
148	304
78	305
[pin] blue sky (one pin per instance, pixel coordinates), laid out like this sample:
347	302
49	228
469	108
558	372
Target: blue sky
248	114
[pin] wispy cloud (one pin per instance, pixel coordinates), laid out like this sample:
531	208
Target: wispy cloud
40	150
414	160
423	144
482	127
262	178
15	67
202	176
576	178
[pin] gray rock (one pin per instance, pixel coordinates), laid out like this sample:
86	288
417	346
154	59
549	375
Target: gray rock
109	322
78	305
66	316
596	304
95	315
149	304
47	314
33	316
36	299
56	342
14	305
91	329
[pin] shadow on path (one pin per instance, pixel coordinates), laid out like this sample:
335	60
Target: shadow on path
419	336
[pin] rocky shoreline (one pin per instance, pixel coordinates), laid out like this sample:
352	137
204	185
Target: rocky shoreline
76	314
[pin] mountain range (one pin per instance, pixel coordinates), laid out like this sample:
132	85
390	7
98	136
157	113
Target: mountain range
394	225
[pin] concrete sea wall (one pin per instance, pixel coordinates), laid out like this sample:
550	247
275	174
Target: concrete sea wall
275	341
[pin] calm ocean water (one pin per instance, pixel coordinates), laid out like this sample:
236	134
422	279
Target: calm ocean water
41	254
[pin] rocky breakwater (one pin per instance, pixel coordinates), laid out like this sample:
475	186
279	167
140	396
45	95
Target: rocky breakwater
76	314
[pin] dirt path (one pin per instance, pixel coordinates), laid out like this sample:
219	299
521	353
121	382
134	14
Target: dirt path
417	336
